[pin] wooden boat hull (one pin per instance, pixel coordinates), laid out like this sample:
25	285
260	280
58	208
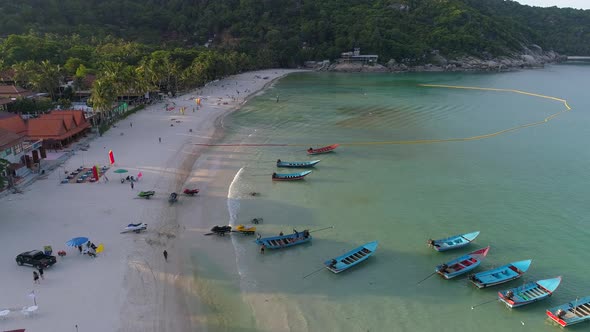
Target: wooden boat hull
529	293
501	274
284	241
453	242
298	164
290	177
463	264
351	258
322	150
576	312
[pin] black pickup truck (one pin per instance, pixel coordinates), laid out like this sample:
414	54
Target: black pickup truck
36	258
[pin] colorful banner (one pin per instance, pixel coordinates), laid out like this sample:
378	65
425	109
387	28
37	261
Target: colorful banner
111	157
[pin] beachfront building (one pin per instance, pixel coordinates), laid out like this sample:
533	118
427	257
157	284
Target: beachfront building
21	151
357	57
10	93
58	128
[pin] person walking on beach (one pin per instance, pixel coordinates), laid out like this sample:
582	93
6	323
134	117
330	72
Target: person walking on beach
165	255
131	185
40	269
80	249
36	278
160	139
262	249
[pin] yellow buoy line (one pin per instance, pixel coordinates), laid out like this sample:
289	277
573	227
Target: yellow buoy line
472	138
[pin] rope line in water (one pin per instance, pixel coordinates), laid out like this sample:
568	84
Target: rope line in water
444	140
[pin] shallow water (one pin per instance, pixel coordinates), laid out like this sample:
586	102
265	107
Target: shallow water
525	190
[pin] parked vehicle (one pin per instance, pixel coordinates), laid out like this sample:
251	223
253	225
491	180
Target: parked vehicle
36	258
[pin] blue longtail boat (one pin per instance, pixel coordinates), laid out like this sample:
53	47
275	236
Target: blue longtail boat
351	258
571	313
283	241
462	264
500	274
297	164
290	176
529	293
453	242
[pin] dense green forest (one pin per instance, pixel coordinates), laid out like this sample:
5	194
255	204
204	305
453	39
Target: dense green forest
171	45
291	31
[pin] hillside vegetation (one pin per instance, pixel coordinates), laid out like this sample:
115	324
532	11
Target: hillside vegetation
287	32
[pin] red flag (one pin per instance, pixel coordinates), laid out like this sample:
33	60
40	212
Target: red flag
111	157
95	172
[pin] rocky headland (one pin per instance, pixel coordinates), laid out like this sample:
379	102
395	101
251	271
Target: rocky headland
532	56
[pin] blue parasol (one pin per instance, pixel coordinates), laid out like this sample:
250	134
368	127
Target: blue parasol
77	241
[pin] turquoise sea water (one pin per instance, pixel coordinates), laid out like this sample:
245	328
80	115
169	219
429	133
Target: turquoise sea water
526	191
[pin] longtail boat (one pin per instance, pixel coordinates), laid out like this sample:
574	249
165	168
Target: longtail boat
324	149
351	258
283	241
500	274
462	264
289	176
453	242
529	293
571	313
297	164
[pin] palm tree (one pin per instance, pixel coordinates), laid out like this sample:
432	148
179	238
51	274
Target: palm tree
48	78
103	96
24	73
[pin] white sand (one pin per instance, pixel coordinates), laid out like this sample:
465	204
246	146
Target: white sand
129	287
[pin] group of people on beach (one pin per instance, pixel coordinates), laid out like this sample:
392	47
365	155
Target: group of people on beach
90	249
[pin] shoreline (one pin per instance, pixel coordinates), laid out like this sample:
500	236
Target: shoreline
129	287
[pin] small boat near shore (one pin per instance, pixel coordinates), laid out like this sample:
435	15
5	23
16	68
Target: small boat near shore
571	313
453	242
283	241
244	230
529	293
500	274
351	258
462	264
321	150
297	164
290	176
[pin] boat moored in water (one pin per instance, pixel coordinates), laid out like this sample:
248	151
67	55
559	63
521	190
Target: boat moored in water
571	313
290	176
453	242
283	241
529	293
351	258
297	164
324	149
463	264
500	274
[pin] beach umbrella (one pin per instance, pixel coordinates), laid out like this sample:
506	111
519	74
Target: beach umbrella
120	170
77	241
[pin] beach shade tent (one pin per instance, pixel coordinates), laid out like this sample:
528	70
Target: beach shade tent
77	241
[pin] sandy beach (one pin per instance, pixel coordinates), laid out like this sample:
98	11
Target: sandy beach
128	287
